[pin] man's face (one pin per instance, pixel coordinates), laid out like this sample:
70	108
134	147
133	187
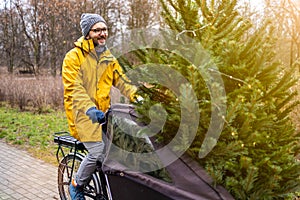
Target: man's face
98	33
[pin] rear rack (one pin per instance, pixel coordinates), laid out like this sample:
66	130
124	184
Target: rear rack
66	140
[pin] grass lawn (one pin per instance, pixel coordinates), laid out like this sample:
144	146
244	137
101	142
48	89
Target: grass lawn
32	132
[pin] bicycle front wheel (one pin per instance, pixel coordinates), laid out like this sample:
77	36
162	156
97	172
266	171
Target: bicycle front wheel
64	177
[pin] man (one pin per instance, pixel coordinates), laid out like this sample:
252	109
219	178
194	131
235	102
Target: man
89	71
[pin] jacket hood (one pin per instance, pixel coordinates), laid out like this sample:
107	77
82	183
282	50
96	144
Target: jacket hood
84	44
88	46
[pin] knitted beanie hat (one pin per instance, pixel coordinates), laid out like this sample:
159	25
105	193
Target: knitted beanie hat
88	20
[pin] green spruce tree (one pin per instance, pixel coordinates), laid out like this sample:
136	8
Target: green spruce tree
255	155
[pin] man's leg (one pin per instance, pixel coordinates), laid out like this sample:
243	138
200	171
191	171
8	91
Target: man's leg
86	168
88	165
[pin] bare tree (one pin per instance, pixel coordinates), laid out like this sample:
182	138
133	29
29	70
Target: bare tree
31	24
286	14
36	34
60	30
292	27
143	13
285	17
9	30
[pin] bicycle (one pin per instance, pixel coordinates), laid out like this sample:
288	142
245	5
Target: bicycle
114	180
97	188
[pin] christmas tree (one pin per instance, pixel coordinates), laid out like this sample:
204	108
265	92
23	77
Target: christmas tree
254	155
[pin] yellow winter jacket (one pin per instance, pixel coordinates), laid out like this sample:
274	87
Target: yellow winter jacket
87	81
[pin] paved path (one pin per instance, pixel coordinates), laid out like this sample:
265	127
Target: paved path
24	177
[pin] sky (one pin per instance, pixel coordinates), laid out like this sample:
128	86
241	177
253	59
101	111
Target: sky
255	3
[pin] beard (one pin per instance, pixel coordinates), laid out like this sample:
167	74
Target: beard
99	41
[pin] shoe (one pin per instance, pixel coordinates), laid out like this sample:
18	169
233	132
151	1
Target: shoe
76	192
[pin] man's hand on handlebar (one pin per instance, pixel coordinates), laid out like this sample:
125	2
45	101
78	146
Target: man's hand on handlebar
97	116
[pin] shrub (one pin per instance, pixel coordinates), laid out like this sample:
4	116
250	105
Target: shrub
38	93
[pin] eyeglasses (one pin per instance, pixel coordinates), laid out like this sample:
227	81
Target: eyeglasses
99	30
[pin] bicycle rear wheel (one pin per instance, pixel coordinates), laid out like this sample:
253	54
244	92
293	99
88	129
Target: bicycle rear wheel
64	177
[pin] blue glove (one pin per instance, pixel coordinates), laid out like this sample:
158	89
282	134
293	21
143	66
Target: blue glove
95	115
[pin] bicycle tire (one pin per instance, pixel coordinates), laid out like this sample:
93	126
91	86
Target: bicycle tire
64	171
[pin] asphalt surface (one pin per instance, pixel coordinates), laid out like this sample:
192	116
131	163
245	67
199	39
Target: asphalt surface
25	177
